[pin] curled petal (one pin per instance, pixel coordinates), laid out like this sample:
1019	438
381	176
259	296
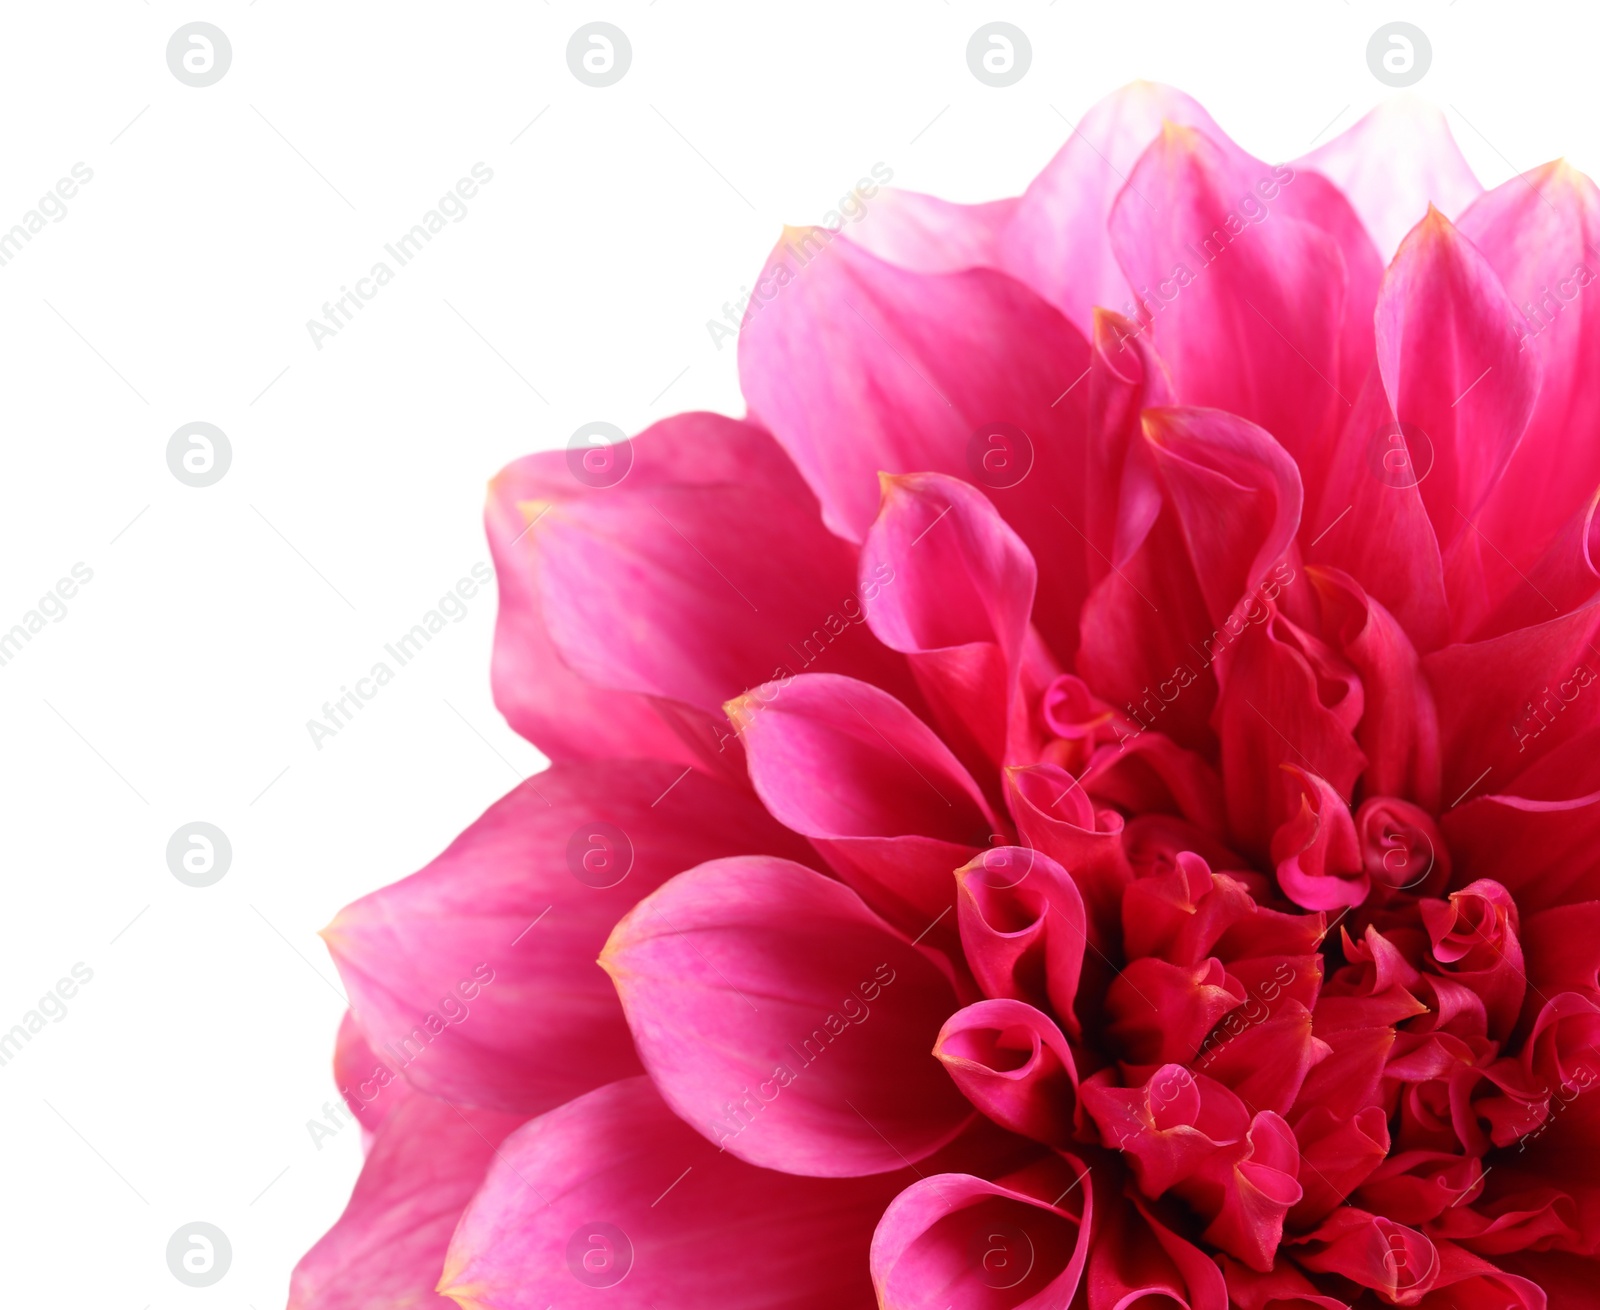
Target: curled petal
1256	1191
1012	1062
1396	1261
958	608
1137	1260
1055	816
1161	1012
1169	1128
953	1239
1318	857
1023	929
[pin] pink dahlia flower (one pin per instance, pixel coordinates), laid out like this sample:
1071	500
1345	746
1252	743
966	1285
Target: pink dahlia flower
1088	796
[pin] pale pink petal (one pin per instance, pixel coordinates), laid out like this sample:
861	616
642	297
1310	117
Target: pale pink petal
444	967
1395	162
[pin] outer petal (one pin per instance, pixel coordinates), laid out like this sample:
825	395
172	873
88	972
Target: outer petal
1449	352
1399	159
369	1087
389	1245
746	981
566	716
1372	523
953	1239
1057	242
1539	838
614	1201
1509	702
1245	303
445	967
928	235
860	367
695	594
1539	233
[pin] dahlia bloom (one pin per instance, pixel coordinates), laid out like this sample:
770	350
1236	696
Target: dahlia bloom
1087	796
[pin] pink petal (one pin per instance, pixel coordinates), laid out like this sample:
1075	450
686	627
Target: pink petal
1538	233
953	1239
1371	521
745	982
928	235
1319	861
1012	1062
1399	728
1539	838
1023	929
371	1089
886	802
1056	817
1529	687
1449	352
1245	302
958	608
389	1244
566	716
1393	164
1057	242
612	1200
860	367
711	580
1137	1261
1126	378
1289	701
444	967
1236	494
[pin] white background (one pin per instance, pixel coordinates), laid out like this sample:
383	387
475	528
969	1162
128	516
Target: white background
177	289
